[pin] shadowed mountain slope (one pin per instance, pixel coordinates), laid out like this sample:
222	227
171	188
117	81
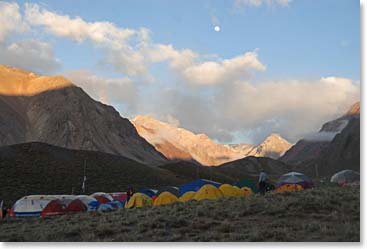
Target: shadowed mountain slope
55	111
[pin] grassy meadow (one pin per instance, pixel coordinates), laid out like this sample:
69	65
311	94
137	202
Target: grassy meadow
325	213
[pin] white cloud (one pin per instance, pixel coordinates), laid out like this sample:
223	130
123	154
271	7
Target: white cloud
132	51
33	55
178	59
117	91
76	28
10	20
258	3
223	71
292	108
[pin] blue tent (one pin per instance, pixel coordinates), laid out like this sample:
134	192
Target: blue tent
196	185
147	191
93	205
116	204
106	207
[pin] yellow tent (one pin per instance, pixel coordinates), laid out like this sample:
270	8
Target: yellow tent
139	200
208	191
230	191
165	198
187	196
247	191
289	188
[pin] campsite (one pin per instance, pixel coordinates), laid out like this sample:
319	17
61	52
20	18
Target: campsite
238	212
323	213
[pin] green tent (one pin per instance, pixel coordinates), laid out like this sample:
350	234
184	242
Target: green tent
247	183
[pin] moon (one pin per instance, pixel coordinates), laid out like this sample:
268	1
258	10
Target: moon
217	28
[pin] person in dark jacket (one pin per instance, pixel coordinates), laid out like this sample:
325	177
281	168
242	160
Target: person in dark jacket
129	193
263	177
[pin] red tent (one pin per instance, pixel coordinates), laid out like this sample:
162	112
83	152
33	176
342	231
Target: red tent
76	206
120	196
102	197
54	207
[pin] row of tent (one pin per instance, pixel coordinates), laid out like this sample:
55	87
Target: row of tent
200	189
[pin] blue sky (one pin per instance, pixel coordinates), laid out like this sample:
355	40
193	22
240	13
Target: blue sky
323	36
299	42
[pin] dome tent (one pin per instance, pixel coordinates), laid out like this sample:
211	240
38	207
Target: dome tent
76	205
118	196
208	191
247	191
171	189
106	207
187	196
54	207
345	177
139	200
102	197
295	178
149	192
289	188
90	202
29	206
196	185
165	198
230	191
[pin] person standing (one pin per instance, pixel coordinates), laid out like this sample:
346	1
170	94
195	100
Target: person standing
129	193
263	177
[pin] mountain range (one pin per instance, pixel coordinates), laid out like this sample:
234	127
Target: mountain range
50	129
180	144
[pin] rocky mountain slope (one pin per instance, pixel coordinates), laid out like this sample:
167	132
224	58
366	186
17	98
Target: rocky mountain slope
338	149
181	144
53	110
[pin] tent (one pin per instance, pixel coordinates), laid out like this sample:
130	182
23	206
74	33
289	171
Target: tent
149	192
90	202
139	200
230	191
247	191
247	183
102	197
208	191
165	198
187	196
173	190
76	205
346	177
117	204
29	206
106	207
54	207
196	185
289	188
295	178
119	196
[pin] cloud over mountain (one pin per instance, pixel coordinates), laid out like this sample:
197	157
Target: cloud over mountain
213	94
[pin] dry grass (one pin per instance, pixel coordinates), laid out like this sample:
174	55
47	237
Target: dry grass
322	214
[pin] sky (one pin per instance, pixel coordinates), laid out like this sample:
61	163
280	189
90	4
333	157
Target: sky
236	70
